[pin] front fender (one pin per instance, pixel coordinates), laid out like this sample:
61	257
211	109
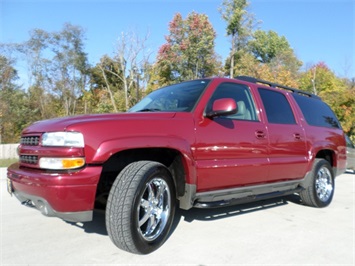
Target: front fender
107	148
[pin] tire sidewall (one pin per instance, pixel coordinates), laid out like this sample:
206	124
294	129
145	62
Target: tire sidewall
142	245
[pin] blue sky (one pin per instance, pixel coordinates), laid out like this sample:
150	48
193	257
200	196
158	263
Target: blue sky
317	30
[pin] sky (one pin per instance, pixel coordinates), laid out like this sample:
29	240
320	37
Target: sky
317	30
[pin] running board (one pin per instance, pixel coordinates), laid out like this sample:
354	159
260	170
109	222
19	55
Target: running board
236	201
245	194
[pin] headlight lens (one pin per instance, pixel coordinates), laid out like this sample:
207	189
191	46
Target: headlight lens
66	139
61	163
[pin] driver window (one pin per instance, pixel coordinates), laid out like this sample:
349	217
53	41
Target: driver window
241	95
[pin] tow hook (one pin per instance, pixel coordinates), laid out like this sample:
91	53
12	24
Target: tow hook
28	203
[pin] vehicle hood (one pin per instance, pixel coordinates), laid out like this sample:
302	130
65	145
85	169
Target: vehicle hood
66	123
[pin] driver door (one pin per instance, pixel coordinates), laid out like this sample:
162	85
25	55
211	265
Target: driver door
231	150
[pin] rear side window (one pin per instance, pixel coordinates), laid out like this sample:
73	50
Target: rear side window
277	107
316	112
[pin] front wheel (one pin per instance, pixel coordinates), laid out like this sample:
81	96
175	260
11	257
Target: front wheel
320	189
141	206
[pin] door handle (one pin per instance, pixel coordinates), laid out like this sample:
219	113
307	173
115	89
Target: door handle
297	136
260	134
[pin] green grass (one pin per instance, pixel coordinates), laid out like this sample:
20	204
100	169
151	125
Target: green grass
7	162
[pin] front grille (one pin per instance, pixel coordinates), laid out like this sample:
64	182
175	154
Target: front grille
29	159
30	141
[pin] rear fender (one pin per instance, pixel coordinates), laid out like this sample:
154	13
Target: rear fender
336	155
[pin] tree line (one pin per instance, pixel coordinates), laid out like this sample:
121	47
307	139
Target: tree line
61	82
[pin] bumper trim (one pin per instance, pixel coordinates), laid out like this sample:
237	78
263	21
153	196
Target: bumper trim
44	207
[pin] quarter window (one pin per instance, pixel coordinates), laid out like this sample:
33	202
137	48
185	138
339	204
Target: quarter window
277	107
316	112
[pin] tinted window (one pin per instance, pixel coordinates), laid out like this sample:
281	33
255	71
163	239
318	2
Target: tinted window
277	108
241	95
316	112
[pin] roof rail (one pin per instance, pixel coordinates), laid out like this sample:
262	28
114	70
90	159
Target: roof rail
275	85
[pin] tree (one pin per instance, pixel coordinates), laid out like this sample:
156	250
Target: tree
69	67
265	46
240	24
117	82
248	65
57	69
189	50
336	92
348	107
38	64
270	57
13	103
106	84
8	74
320	80
132	57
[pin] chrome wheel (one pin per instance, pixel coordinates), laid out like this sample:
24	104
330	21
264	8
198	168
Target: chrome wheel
324	184
141	207
319	185
154	209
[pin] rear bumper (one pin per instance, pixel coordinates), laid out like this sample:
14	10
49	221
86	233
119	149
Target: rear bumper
70	196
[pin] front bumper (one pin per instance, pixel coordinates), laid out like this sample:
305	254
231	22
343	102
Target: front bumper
67	195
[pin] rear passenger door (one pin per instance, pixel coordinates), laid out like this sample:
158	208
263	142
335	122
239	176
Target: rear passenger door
287	141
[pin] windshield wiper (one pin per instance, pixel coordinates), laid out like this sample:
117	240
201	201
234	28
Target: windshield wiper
149	110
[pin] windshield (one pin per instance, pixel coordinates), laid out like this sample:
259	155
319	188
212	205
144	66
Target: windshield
180	97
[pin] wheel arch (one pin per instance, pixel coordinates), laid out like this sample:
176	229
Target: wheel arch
173	159
331	151
328	155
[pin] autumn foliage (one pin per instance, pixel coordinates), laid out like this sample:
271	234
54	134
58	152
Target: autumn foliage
189	50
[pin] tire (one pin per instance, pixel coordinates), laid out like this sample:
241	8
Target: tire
141	207
320	189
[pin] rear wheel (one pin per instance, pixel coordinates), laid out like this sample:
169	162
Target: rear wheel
320	190
141	207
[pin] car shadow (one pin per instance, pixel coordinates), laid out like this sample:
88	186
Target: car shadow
98	226
230	211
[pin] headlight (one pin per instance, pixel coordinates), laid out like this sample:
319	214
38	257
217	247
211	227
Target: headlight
61	163
66	139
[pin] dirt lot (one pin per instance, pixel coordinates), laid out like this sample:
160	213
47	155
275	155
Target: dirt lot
277	232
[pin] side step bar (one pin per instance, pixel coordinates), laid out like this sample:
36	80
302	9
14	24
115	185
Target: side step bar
240	195
236	201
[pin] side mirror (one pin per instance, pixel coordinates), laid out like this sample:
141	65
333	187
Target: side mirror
222	107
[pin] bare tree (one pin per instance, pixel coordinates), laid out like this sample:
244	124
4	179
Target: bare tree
132	55
108	87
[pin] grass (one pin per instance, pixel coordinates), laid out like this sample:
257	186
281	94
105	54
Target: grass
7	162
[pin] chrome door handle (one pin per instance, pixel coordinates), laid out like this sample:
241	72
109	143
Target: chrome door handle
259	134
297	136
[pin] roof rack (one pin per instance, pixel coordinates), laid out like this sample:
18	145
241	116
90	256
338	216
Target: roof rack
275	85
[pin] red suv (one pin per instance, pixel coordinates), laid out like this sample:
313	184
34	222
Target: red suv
203	143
